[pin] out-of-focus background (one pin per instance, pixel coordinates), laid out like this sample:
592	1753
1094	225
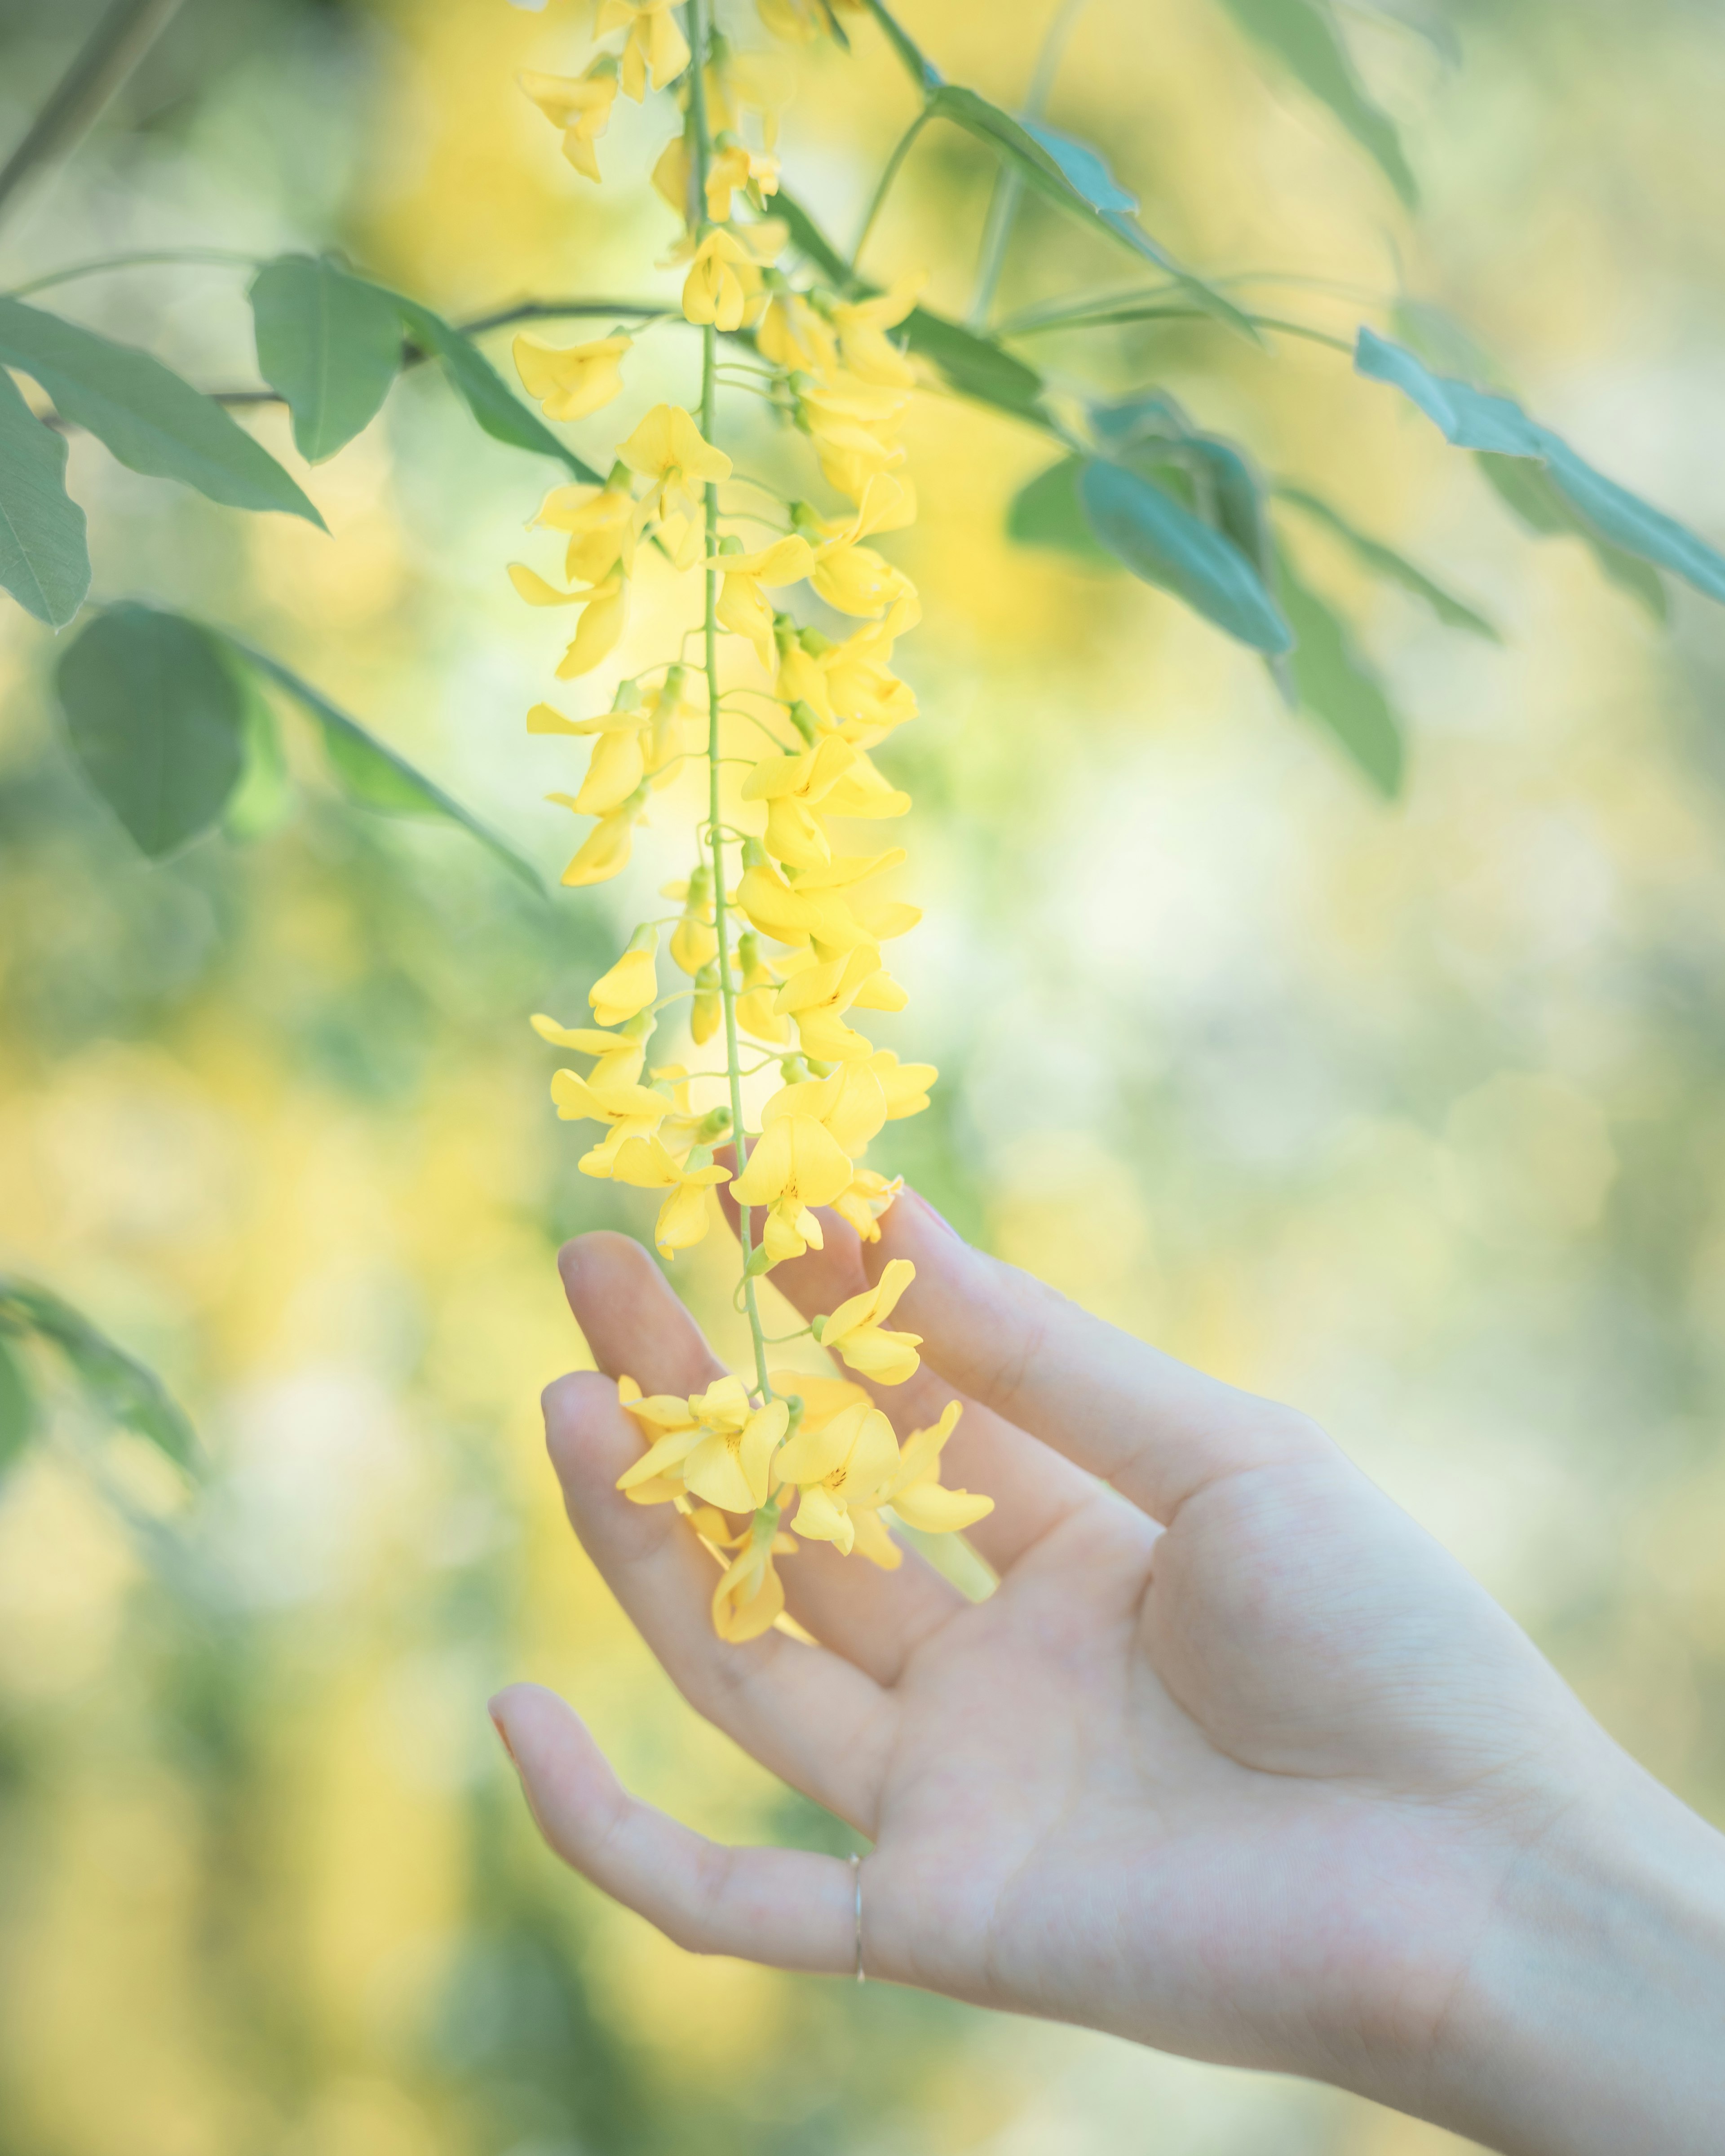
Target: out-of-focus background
1413	1115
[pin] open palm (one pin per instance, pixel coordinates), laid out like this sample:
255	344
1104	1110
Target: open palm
1234	1762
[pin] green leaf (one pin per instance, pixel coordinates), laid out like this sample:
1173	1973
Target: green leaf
1306	36
44	563
1150	434
330	343
17	1407
372	774
1336	687
1165	544
117	1383
154	718
1385	562
501	413
977	366
921	70
146	416
1050	512
809	240
1530	492
265	793
1475	420
1076	178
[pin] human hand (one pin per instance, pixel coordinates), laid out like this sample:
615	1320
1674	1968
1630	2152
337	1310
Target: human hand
1237	1761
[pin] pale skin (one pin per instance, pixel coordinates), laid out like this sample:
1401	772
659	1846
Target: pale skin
1237	1761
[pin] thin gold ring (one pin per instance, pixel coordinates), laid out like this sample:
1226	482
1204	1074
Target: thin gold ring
856	1879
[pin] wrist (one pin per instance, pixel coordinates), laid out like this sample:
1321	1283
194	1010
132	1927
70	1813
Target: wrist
1592	2018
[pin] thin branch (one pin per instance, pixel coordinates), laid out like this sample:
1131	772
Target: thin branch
108	55
1010	181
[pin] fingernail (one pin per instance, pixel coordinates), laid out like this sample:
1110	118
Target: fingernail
503	1739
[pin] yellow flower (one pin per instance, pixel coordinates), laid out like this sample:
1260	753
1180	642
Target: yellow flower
570	381
818	994
800	22
810	1135
695	941
723	287
825	905
655	47
631	984
846	1465
866	697
868	1198
823	1397
673	178
763	82
733	168
627	1112
855	1329
601	525
914	1489
602	624
857	580
684	1218
671	1433
862	343
604	852
581	107
749	1598
832	779
755	1013
741	608
620	1055
793	336
730	1465
906	1084
849	421
668	448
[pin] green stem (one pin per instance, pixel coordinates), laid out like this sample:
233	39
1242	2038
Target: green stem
113	48
900	151
1010	181
224	257
698	37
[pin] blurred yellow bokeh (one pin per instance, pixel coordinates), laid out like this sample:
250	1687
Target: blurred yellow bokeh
1411	1114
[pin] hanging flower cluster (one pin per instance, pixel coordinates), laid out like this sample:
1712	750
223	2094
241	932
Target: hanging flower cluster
781	924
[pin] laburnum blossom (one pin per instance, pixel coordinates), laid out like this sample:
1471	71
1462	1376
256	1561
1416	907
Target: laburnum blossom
580	105
840	1471
914	1489
778	935
734	167
811	1134
741	608
656	48
602	524
832	779
569	381
603	621
857	1329
647	1164
668	448
630	985
725	285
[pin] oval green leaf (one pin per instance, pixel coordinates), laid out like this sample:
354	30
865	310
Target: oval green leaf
498	410
144	413
1384	561
1336	687
44	559
372	774
1050	512
329	343
155	720
116	1383
1165	544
